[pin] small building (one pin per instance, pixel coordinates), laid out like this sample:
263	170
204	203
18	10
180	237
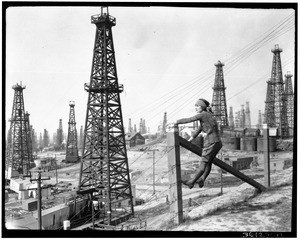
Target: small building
53	218
279	164
187	173
252	132
134	139
239	163
21	187
47	163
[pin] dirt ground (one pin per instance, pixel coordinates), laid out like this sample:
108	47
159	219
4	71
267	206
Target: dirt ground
265	212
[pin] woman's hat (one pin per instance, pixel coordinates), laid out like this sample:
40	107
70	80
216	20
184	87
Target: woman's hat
201	102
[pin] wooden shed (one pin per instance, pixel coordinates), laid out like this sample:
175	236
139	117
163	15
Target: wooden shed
134	139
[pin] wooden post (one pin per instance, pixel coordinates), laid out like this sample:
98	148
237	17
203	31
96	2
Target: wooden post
176	210
221	175
266	155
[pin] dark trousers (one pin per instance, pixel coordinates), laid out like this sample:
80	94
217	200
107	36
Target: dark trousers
208	154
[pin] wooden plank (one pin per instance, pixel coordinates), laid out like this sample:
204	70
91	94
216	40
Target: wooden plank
176	209
195	149
266	156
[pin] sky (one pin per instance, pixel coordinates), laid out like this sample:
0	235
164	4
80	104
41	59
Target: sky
165	59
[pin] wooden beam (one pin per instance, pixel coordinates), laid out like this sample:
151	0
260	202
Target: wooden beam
176	209
198	151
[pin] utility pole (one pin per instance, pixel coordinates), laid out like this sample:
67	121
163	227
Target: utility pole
39	180
221	174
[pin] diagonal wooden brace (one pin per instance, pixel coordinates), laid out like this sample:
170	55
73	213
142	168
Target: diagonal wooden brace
198	151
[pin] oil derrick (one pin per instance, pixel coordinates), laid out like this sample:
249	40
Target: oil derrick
30	137
134	128
46	139
129	126
242	117
72	146
279	97
34	140
219	106
141	126
289	94
247	116
59	136
81	138
144	127
237	119
231	120
269	105
8	147
164	125
104	171
18	155
41	145
259	124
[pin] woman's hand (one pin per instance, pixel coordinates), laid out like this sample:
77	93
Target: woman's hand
191	138
171	126
203	134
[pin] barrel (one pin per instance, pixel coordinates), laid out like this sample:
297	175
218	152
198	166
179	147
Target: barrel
231	143
272	144
248	143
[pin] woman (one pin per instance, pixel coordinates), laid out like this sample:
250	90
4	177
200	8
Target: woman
212	142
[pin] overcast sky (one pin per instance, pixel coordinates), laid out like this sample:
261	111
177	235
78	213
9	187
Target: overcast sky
165	59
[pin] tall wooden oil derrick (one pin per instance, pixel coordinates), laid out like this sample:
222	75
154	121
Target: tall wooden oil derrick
60	136
259	122
231	119
164	124
247	116
269	105
237	119
72	144
289	102
19	153
242	117
30	137
80	138
219	106
130	129
104	171
280	111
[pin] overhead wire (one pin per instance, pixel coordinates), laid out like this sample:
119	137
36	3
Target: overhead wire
246	50
247	53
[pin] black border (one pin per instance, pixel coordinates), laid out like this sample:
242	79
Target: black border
147	234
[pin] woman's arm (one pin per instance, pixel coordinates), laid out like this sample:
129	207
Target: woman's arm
188	120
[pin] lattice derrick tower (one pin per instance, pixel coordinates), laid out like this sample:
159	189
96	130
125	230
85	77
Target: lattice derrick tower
237	119
18	156
279	97
242	117
269	105
30	137
219	106
247	116
72	144
60	135
289	94
104	164
164	124
130	126
259	122
231	119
